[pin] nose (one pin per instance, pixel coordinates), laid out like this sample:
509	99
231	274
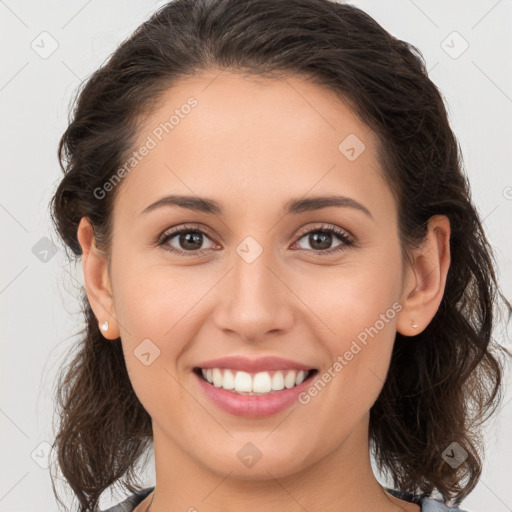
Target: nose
255	301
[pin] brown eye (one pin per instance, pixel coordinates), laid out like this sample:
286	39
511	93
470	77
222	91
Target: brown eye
190	240
321	239
186	240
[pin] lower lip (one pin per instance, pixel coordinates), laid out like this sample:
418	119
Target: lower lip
253	406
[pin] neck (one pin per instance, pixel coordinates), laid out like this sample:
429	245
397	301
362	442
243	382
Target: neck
343	479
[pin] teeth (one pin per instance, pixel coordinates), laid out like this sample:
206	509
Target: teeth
229	380
262	383
278	381
259	383
243	382
301	377
289	380
217	377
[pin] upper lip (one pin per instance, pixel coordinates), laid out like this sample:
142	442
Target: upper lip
248	365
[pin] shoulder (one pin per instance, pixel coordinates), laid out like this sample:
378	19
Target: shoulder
432	505
131	502
427	504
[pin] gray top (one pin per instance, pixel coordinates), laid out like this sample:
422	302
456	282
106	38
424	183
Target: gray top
427	504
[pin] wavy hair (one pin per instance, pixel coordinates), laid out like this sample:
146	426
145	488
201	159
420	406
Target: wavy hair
443	383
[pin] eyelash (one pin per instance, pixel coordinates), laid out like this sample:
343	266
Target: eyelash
342	235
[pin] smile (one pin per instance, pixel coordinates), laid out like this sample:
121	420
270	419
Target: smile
260	383
253	404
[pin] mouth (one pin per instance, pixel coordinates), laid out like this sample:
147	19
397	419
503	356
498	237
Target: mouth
254	384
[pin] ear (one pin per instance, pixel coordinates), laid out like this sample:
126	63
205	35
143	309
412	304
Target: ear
425	278
97	280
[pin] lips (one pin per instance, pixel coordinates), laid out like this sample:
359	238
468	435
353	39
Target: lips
253	388
260	383
253	405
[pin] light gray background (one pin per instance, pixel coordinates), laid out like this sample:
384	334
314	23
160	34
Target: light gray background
40	314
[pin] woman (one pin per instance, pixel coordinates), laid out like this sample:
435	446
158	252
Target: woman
284	272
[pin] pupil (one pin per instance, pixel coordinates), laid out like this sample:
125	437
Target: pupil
190	238
324	237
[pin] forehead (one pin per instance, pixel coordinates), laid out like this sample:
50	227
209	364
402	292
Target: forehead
227	135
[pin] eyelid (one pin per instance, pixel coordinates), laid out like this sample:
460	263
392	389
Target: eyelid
175	230
324	226
348	240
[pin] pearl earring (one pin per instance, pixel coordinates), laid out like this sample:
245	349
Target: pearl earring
414	325
104	326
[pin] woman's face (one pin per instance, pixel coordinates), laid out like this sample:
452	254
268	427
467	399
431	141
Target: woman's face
261	281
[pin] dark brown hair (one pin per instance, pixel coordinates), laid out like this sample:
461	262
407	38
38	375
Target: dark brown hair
443	383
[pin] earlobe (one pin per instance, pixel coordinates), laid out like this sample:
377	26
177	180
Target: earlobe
425	278
97	281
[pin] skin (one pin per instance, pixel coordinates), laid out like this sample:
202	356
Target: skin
252	146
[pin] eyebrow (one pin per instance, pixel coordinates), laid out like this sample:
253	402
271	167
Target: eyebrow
294	206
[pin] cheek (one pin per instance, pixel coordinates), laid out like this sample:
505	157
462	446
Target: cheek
148	309
348	299
155	315
151	298
355	312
